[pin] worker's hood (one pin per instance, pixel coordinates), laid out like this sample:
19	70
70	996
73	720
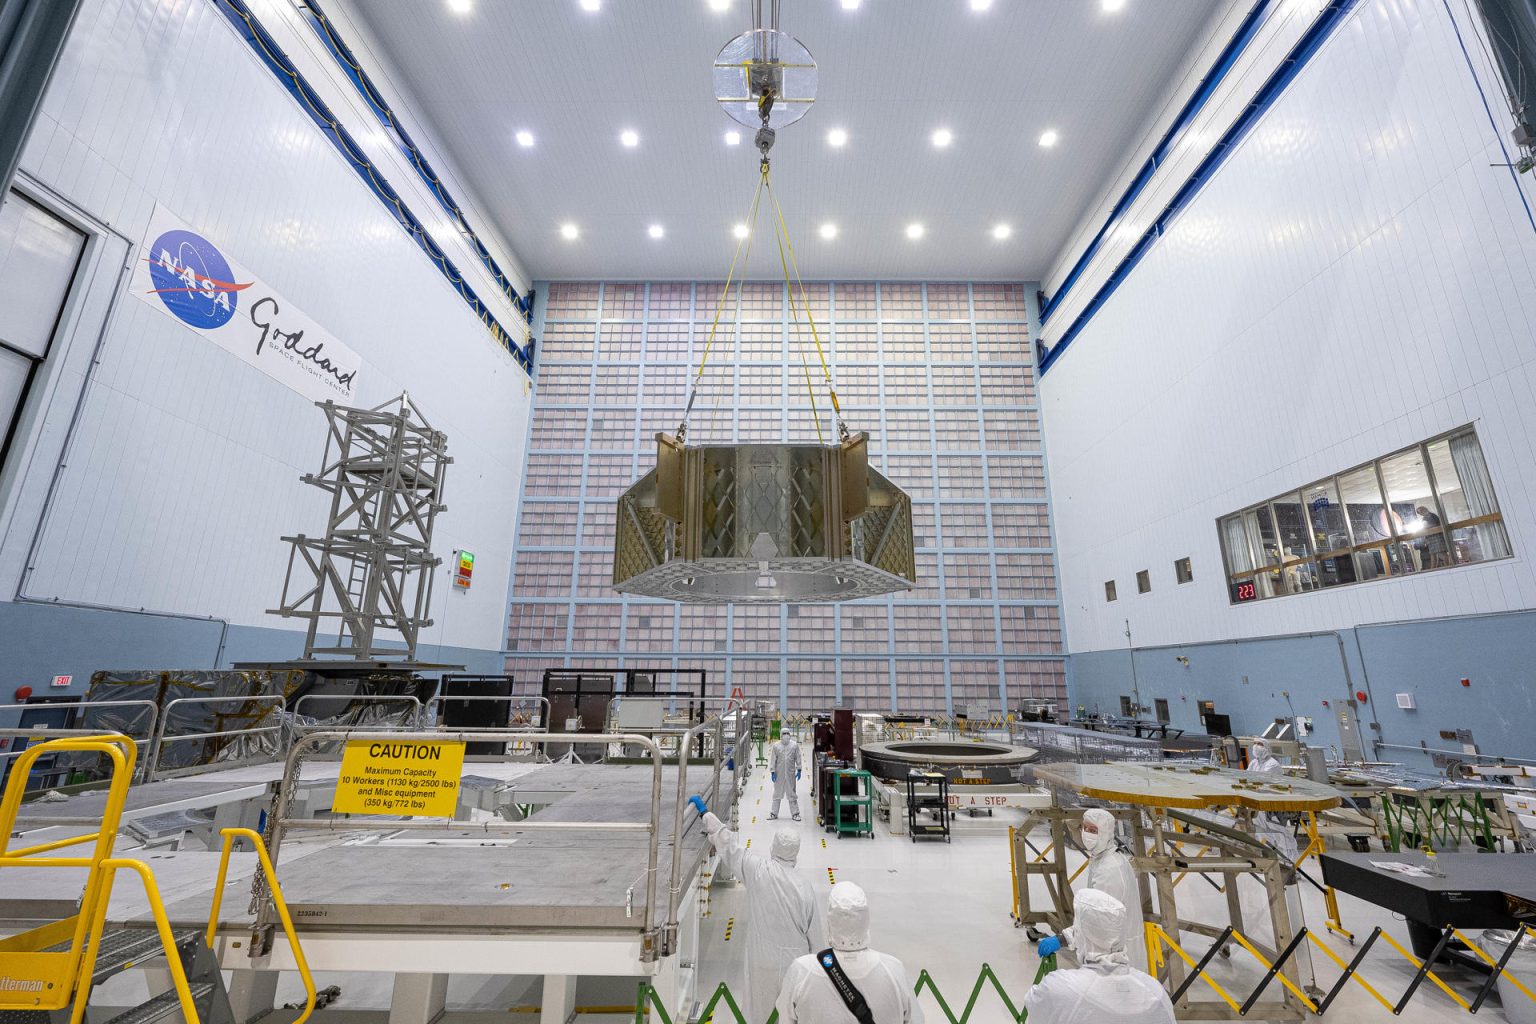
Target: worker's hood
848	917
1098	928
786	846
1102	840
1257	753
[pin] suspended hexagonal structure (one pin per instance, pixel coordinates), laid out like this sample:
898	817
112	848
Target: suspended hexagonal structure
763	524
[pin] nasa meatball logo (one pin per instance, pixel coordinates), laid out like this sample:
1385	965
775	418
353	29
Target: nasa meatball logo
193	279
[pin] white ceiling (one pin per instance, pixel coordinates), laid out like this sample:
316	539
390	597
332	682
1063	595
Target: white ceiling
891	72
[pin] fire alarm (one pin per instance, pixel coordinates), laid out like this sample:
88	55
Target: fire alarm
1325	703
23	692
1360	696
1466	682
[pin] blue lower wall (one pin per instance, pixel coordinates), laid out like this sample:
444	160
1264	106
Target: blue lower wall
1248	680
40	641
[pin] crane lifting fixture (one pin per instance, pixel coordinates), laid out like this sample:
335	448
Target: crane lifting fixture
764	523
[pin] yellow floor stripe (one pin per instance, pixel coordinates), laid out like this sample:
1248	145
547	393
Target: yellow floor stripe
831	878
729	923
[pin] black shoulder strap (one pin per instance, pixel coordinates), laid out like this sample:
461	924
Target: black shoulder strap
851	996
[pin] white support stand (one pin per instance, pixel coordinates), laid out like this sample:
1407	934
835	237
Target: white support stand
418	998
252	994
559	1002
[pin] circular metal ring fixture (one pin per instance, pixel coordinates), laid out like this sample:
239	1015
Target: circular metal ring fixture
759	61
977	763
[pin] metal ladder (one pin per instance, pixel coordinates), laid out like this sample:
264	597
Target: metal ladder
51	970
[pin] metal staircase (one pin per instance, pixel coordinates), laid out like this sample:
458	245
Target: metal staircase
48	973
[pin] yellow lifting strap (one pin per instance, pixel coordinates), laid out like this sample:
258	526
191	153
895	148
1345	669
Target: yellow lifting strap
792	282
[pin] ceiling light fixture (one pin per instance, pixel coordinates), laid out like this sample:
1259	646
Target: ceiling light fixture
1001	232
629	138
733	138
829	231
740	231
719	5
591	5
850	5
1049	138
656	231
569	232
914	231
942	138
1111	6
525	138
837	137
461	6
981	5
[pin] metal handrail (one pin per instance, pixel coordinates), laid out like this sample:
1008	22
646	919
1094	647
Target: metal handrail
438	700
367	698
280	821
669	929
17	732
152	763
270	874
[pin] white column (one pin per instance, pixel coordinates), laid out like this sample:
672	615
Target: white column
418	998
559	1003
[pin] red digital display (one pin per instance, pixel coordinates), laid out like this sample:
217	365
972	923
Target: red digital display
1244	591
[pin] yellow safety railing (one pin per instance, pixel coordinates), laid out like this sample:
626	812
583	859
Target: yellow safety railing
230	836
1157	938
45	979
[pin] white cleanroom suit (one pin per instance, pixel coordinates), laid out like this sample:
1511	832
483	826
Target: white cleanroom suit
784	765
1261	760
784	918
1110	872
808	995
1104	990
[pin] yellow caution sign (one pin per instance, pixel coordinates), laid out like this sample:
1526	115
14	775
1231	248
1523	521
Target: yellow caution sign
380	777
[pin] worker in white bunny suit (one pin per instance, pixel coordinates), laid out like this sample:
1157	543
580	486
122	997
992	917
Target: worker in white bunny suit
1110	872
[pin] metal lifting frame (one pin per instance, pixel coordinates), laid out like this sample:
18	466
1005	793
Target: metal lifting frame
371	572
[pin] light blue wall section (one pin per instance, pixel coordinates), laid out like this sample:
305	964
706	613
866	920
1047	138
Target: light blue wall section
1248	679
41	641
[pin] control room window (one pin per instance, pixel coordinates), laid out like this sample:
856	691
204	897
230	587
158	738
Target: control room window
1183	571
1109	590
1143	582
1427	507
39	255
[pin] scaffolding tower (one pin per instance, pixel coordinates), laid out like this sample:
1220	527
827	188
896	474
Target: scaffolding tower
372	571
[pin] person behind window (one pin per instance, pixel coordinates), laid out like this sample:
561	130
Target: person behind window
1432	550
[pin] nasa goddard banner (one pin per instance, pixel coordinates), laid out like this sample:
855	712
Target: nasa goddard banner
185	276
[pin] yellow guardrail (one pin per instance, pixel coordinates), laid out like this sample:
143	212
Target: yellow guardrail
41	978
230	836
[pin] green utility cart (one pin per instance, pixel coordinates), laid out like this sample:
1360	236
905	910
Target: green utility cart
853	803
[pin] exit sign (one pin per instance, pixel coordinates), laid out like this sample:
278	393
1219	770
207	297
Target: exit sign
61	680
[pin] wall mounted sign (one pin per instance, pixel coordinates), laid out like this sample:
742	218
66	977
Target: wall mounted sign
185	276
413	779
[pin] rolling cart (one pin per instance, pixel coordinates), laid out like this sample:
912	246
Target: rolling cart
935	804
853	803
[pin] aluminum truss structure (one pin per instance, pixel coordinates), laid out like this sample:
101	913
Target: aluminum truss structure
371	572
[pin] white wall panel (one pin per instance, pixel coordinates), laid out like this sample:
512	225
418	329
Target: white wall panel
184	469
1359	276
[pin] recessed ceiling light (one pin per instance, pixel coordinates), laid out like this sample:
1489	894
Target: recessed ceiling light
1049	138
461	6
525	138
592	5
629	138
733	138
837	137
914	231
569	232
980	5
850	5
719	5
740	231
829	231
1001	232
656	231
1111	6
942	138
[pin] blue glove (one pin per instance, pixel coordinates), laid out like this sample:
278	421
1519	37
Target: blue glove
798	773
1048	946
773	776
698	805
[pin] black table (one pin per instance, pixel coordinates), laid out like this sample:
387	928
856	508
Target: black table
1479	890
